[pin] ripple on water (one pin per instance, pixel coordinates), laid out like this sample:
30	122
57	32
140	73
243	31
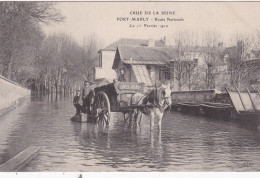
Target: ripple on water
186	143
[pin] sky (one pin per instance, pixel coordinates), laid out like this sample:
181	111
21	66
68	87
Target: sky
100	18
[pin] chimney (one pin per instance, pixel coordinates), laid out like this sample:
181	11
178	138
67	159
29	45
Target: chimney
151	43
131	60
220	44
165	41
240	43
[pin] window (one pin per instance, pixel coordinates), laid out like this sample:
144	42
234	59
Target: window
160	74
141	74
167	75
100	60
149	70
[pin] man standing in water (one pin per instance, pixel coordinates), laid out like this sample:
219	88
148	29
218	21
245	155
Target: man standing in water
76	102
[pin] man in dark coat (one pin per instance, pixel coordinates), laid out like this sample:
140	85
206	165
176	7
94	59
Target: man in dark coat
121	77
88	101
76	103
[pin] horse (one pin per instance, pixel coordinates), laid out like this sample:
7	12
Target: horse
156	101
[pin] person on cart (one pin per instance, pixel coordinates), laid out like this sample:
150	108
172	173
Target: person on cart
121	77
76	103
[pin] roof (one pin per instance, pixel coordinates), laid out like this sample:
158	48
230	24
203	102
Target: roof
132	42
233	50
256	53
144	55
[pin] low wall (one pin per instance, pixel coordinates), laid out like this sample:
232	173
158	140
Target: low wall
10	94
196	96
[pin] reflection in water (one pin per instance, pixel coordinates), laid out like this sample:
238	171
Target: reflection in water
185	143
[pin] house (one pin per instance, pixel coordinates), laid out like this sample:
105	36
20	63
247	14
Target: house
242	65
154	61
144	64
107	55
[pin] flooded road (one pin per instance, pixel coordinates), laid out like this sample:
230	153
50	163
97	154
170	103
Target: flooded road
186	143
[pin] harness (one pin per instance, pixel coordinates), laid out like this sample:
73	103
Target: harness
157	103
162	106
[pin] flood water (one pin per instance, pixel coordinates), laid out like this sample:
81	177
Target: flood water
186	143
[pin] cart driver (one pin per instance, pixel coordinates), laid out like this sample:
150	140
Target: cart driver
121	77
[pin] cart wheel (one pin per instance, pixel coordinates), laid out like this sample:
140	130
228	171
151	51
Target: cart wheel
102	107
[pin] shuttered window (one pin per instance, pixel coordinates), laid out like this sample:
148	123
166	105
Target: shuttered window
141	74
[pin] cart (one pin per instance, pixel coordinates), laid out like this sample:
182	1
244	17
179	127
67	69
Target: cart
113	96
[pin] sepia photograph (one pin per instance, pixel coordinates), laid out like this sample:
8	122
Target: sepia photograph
98	86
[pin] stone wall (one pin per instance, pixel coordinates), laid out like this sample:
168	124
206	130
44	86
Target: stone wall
11	94
195	96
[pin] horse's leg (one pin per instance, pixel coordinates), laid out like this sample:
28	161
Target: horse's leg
141	117
160	116
131	115
152	139
160	137
138	117
126	117
151	120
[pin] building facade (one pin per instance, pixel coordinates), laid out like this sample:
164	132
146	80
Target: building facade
107	56
148	65
155	62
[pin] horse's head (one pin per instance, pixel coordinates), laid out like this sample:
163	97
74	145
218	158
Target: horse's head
164	95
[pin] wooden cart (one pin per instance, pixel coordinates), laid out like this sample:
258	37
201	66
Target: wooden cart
113	96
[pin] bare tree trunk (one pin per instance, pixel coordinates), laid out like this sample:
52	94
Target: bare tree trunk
189	82
9	69
179	84
48	84
56	88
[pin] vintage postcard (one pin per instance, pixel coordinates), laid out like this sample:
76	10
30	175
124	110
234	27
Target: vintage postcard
129	87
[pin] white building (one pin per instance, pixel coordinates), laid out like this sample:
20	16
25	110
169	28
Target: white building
107	56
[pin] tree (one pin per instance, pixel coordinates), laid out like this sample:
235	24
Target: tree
89	56
64	62
192	73
185	63
239	57
20	33
212	48
57	56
